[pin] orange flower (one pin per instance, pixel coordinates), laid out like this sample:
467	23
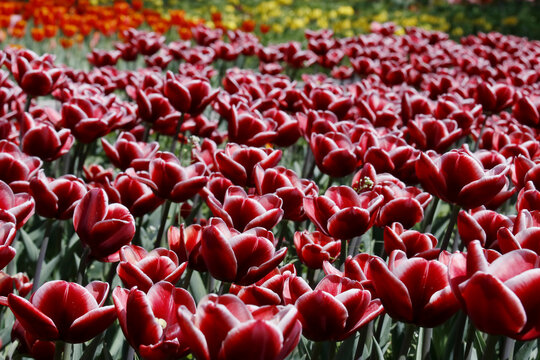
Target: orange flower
248	25
38	34
50	31
69	30
184	33
265	28
137	5
66	42
216	17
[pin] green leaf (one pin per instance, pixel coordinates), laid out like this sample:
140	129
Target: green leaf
48	268
346	350
90	351
198	288
479	342
29	246
378	350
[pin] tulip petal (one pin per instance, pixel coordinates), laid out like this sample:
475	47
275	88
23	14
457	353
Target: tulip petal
91	324
32	319
255	339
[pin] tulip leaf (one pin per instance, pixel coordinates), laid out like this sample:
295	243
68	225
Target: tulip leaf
48	268
479	342
29	246
378	349
528	350
90	351
346	350
197	286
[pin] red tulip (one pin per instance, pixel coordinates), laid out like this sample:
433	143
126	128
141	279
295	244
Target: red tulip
524	234
500	295
16	168
428	303
56	198
143	269
528	198
65	311
29	344
127	152
149	321
42	140
495	98
287	186
342	213
101	58
186	243
135	195
334	153
242	258
7	234
267	332
19	282
170	180
237	162
428	133
15	208
458	177
411	242
481	225
245	212
335	310
37	77
103	228
315	248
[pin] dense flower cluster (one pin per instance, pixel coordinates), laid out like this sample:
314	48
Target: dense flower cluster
263	170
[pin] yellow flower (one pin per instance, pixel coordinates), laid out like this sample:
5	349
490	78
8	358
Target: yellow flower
400	31
322	23
277	28
510	21
457	31
345	10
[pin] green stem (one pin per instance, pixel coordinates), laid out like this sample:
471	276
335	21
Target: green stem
365	333
187	278
59	350
491	344
428	220
85	260
508	349
450	228
343	254
426	342
42	252
164	216
406	342
177	132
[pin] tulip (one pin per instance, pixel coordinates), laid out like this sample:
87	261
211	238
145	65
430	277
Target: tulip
37	77
42	140
16	168
267	332
135	195
65	311
56	198
458	177
315	248
414	290
242	258
7	234
342	213
245	212
334	310
149	321
334	153
101	58
186	243
237	162
411	242
143	269
481	225
103	228
499	295
128	152
15	208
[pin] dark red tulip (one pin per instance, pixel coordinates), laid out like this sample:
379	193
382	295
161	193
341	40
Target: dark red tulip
189	96
285	184
315	248
154	108
7	234
527	110
135	195
143	269
16	168
19	283
458	177
334	153
268	290
15	208
242	258
186	243
102	227
101	58
482	225
250	127
149	321
65	311
237	162
411	242
495	98
42	140
128	152
528	198
36	77
267	332
170	180
428	133
428	303
244	212
335	310
342	213
524	234
500	295
56	198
